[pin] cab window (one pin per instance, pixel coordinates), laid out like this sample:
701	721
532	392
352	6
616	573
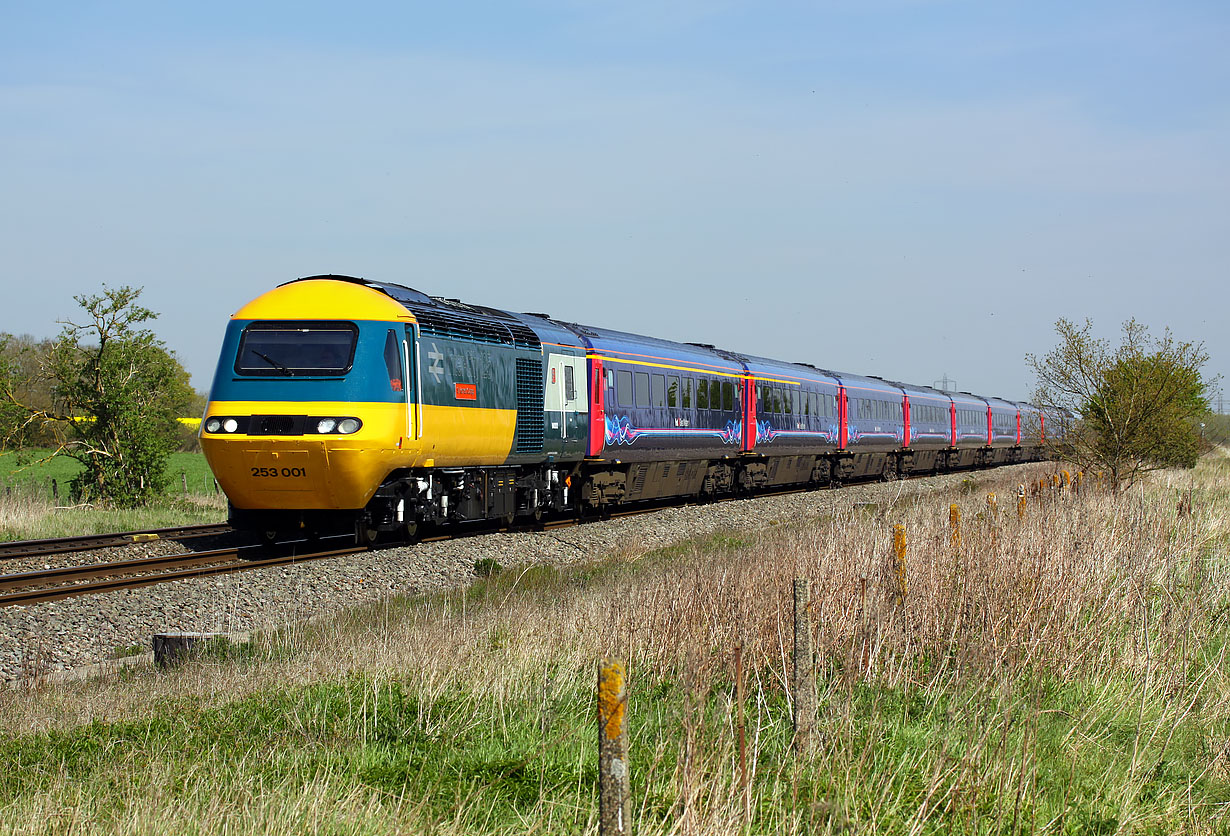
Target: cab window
296	349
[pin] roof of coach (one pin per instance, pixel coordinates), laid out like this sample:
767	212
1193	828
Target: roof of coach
917	391
868	383
968	399
639	348
792	372
1001	404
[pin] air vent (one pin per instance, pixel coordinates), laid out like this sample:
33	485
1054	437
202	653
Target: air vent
454	325
529	406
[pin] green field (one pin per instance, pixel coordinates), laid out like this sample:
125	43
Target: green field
32	470
36	500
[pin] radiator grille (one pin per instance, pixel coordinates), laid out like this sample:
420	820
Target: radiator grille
529	406
456	325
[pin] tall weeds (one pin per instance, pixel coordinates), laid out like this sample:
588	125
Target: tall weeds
1060	672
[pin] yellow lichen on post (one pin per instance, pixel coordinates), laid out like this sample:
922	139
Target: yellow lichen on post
610	704
992	504
899	552
1020	502
954	526
614	797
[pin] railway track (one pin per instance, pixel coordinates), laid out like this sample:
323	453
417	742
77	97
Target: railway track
46	585
64	545
43	586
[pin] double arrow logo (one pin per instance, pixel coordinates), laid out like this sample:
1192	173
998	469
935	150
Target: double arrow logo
436	366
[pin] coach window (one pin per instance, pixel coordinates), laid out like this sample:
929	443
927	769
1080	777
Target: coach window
658	390
570	384
687	393
728	395
623	387
702	393
642	388
672	391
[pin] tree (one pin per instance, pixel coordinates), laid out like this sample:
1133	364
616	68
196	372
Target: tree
116	393
21	358
1126	410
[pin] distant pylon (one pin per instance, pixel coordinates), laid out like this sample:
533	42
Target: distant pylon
944	384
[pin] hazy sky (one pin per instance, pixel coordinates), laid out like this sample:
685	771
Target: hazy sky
907	188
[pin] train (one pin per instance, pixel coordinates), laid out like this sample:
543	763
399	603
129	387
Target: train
341	404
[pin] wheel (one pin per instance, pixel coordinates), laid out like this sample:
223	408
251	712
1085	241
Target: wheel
363	535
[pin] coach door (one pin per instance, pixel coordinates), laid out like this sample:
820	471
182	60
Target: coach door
566	398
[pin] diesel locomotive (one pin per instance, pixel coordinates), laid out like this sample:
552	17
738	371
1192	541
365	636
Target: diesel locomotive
345	404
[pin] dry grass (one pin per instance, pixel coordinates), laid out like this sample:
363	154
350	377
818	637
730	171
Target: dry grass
27	513
1087	639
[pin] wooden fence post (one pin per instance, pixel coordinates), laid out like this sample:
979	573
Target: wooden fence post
742	729
899	547
804	668
183	475
954	527
1020	502
614	798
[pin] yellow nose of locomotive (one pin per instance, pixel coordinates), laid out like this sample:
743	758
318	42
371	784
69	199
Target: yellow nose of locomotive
293	469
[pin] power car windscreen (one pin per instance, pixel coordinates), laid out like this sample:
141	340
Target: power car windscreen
289	349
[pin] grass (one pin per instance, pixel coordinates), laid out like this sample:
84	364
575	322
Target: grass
1065	673
32	469
30	511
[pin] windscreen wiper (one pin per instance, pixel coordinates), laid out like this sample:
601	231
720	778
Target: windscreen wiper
274	363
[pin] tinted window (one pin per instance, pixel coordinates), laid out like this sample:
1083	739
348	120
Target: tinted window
570	384
623	387
658	390
687	393
702	393
728	395
642	388
672	391
286	349
392	361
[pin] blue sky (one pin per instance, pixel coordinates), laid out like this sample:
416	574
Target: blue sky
905	188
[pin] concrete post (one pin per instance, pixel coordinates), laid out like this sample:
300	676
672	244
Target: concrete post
614	797
804	669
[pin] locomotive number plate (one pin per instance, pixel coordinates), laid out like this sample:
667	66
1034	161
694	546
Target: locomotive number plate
282	470
279	472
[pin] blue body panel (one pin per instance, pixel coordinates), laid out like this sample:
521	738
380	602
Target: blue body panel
365	381
875	414
1003	422
971	420
796	408
930	417
641	424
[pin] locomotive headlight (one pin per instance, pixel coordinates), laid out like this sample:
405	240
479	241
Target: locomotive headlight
346	426
213	425
230	425
326	425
